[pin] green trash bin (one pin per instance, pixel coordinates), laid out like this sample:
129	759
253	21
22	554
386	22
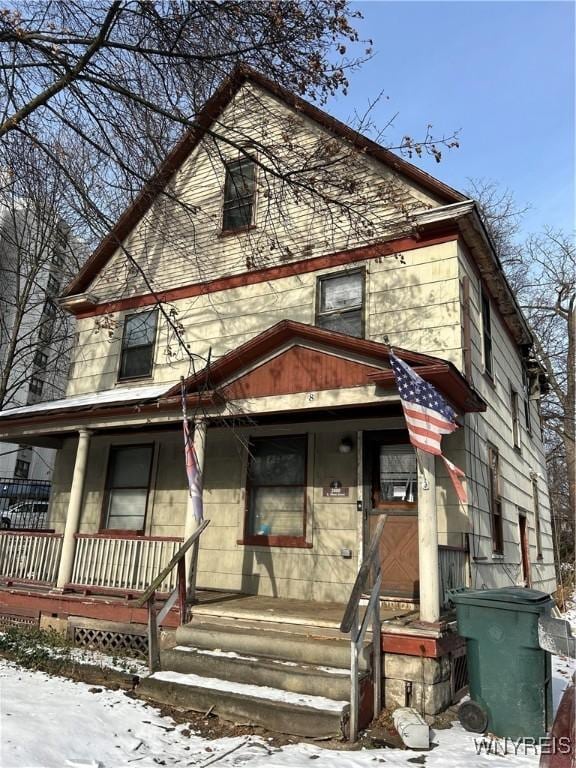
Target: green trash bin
509	674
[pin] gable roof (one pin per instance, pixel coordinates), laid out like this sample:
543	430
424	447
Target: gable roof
191	138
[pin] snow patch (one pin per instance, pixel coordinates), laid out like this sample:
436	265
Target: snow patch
254	691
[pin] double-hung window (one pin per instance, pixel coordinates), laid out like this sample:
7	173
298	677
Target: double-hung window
340	303
137	357
537	524
276	490
487	336
514	407
127	487
239	193
495	500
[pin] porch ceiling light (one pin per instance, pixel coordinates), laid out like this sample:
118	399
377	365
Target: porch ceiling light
346	445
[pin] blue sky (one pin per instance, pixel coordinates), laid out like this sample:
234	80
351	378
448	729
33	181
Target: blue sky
501	72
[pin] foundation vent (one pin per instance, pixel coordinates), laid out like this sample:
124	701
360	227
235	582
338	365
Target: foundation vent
109	637
458	673
15	620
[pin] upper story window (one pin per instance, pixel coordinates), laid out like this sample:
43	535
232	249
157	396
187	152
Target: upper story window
487	336
537	525
52	286
239	194
137	357
21	469
527	414
36	385
40	360
127	487
276	491
514	408
340	303
495	500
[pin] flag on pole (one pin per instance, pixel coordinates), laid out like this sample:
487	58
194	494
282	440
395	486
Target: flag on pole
192	468
428	416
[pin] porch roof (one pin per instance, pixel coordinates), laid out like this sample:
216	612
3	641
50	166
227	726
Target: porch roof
288	358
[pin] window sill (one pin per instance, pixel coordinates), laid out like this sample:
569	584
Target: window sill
293	542
239	231
130	379
489	378
497	555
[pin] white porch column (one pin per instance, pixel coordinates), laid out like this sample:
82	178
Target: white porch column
428	539
190	523
74	508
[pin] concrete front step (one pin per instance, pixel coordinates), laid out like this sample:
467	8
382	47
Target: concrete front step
270	708
259	640
314	680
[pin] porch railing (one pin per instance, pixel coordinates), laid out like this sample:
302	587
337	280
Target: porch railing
123	563
453	566
183	592
351	624
30	556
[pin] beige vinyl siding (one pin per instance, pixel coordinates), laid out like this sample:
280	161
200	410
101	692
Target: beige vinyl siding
413	301
319	573
495	427
179	243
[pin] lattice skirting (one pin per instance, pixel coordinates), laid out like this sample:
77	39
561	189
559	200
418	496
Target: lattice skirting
14	620
110	641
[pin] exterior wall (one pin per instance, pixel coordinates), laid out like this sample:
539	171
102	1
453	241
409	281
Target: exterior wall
516	466
320	572
414	300
181	243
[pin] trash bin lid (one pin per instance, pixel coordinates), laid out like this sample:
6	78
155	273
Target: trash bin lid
515	596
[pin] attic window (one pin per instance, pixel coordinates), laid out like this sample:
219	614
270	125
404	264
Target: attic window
138	340
239	192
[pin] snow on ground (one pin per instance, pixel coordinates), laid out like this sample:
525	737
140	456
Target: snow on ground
52	722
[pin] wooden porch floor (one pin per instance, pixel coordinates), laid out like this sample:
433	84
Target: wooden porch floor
282	610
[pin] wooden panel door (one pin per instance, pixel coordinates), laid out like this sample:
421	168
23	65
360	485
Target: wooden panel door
390	488
399	554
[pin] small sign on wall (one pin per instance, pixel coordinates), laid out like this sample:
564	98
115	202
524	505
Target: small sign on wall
336	489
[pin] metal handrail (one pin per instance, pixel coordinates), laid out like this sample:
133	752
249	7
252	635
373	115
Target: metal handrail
351	624
179	593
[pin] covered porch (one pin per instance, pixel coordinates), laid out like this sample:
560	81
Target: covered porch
331	395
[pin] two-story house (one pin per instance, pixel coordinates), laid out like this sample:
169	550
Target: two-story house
266	271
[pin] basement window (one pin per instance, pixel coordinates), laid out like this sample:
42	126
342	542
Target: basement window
276	491
239	194
137	357
127	486
340	303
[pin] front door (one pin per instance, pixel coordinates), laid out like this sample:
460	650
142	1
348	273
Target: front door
391	488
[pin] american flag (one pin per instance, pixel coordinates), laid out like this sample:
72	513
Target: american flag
428	416
192	469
